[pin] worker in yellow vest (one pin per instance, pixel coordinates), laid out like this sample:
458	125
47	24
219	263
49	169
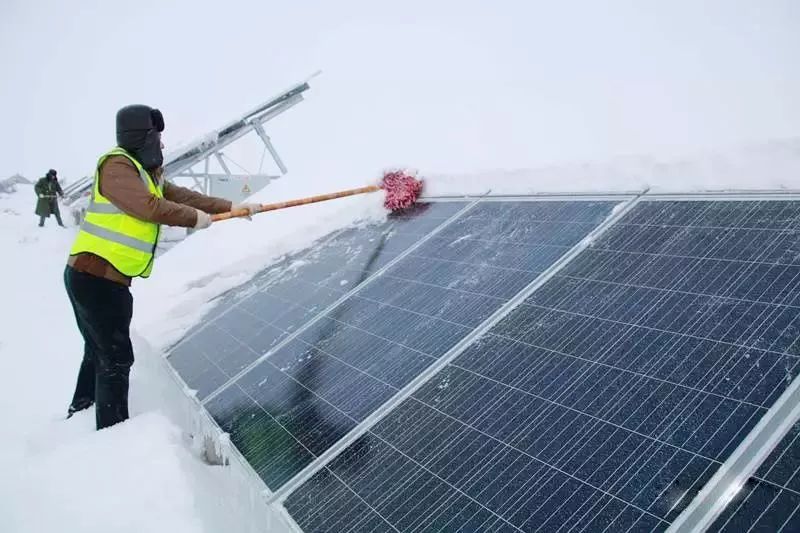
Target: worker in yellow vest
117	241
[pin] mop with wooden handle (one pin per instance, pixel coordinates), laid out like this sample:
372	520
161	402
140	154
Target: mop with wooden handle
401	189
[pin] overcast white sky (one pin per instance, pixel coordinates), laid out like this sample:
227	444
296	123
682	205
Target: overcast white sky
442	86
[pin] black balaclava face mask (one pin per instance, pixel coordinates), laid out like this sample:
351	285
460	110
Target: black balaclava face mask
139	130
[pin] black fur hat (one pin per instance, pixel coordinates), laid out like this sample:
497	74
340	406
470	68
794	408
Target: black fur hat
139	117
139	130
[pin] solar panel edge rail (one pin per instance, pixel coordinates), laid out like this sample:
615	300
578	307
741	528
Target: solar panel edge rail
724	489
769	500
646	192
266	422
789	234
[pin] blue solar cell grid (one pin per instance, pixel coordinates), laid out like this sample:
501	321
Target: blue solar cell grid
606	400
298	402
250	320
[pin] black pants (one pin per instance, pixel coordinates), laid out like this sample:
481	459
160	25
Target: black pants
103	310
57	213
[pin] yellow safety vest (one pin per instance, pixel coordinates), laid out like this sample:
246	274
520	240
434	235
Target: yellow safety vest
125	241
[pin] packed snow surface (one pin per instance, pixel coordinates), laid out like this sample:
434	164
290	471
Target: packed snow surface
143	475
774	165
62	475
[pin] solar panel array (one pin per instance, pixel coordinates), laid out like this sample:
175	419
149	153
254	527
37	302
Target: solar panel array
298	402
602	402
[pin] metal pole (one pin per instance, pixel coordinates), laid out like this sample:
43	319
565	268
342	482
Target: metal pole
222	163
258	126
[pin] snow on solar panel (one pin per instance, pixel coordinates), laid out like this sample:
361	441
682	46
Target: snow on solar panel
250	320
309	393
605	400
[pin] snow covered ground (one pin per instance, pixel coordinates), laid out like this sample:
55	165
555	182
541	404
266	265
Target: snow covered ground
59	475
143	475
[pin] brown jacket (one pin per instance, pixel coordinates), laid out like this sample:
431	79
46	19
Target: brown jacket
121	184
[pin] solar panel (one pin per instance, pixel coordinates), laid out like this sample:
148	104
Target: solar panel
251	319
770	500
605	401
308	394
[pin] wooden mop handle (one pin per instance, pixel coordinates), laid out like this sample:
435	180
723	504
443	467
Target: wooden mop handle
293	203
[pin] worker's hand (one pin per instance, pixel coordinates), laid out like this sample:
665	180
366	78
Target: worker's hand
252	209
203	220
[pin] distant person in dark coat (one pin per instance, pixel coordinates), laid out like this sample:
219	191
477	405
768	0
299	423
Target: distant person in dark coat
46	190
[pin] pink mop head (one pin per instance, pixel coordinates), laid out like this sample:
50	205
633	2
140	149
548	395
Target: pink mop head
402	190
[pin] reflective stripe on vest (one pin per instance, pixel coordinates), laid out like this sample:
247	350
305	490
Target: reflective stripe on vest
125	241
103	209
114	236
